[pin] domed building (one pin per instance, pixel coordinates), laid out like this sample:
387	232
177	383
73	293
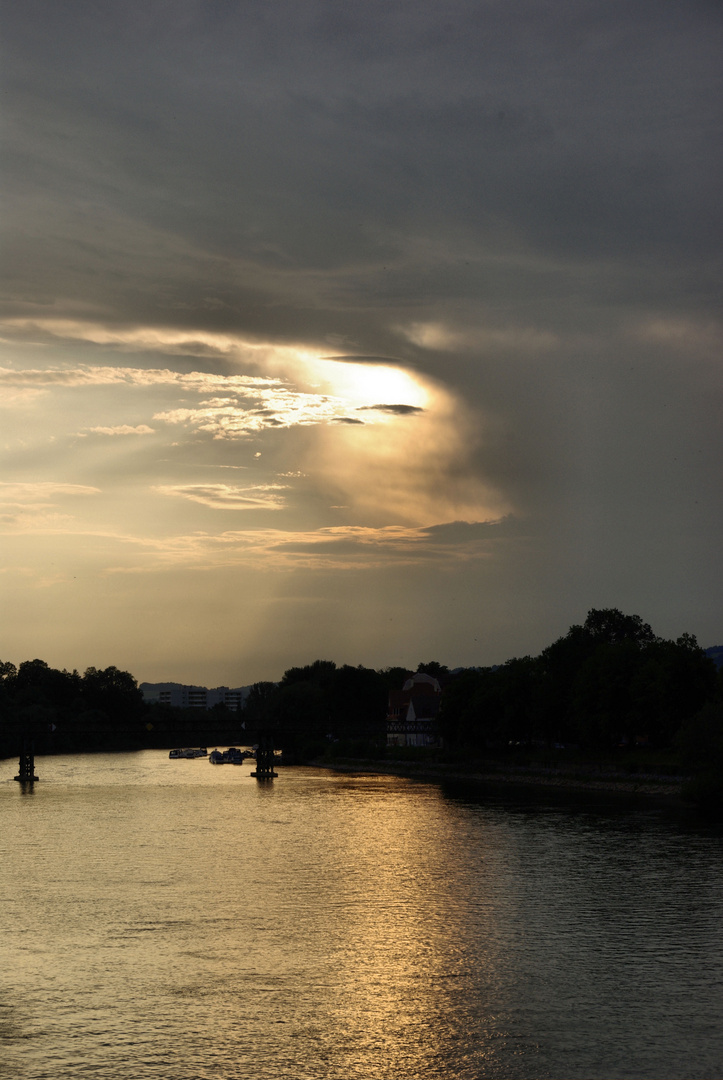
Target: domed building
412	712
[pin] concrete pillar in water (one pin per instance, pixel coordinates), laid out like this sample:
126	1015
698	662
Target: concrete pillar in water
265	759
26	769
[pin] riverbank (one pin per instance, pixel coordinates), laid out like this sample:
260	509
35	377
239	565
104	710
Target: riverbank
644	785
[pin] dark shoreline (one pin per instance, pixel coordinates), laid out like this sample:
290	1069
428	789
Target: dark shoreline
646	787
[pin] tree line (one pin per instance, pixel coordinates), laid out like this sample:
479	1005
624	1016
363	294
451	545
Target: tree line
64	710
606	684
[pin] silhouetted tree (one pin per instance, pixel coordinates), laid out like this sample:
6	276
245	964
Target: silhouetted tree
321	673
607	682
258	704
433	668
610	626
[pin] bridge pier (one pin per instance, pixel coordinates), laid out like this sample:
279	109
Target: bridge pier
265	759
26	768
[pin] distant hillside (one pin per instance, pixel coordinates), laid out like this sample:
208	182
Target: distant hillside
715	652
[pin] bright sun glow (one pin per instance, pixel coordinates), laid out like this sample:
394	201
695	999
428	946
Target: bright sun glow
370	384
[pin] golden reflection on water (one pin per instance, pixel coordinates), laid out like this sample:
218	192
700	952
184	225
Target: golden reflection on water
400	946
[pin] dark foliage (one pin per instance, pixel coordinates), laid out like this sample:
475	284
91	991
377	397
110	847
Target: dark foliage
63	710
320	704
606	684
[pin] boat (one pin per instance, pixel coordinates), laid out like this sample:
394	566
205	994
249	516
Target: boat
232	756
188	752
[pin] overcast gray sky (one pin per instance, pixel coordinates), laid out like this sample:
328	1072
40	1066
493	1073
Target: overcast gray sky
378	334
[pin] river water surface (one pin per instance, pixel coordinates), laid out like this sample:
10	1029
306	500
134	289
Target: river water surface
183	921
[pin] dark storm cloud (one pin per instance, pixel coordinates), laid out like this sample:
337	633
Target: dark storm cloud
192	139
351	359
452	532
396	410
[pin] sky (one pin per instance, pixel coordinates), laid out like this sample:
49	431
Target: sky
377	333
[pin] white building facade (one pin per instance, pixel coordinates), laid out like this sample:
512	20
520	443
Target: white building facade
181	696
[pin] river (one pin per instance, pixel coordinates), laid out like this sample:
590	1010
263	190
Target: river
182	921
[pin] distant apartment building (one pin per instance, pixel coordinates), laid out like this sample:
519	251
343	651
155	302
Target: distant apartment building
412	712
193	697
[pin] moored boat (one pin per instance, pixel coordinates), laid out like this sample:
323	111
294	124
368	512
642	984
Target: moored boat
232	756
